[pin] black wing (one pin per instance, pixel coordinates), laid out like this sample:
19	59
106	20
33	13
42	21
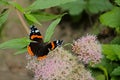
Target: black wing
37	49
52	45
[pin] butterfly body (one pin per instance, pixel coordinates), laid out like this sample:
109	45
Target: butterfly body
37	47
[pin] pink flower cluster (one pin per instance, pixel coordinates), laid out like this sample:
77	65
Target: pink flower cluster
88	49
59	65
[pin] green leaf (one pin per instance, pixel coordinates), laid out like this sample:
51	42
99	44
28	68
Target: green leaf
115	78
31	18
92	6
21	51
44	16
116	72
107	64
111	18
17	6
3	2
112	52
74	8
117	2
100	77
51	29
95	6
15	43
42	4
3	17
116	40
104	70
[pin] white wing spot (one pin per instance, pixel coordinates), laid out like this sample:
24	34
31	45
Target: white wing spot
36	31
32	31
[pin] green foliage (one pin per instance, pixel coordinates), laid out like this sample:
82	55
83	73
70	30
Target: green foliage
100	77
3	2
95	6
19	43
42	4
3	17
104	70
38	4
21	51
112	52
74	8
117	2
42	16
116	40
31	18
90	6
116	72
51	29
17	6
111	18
107	67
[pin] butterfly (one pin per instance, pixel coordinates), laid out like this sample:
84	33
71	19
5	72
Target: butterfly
38	47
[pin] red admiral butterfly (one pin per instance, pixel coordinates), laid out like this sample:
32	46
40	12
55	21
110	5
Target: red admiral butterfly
37	47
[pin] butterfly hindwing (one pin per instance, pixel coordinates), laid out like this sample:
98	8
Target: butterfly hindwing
39	50
52	45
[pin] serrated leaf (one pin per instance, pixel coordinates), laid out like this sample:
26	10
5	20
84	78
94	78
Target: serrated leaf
21	51
112	52
42	4
116	72
17	6
74	8
95	6
31	18
111	18
51	29
44	16
15	43
3	17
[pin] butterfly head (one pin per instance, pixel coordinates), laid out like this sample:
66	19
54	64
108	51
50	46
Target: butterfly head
34	30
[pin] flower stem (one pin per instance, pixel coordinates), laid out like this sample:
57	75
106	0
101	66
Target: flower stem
22	20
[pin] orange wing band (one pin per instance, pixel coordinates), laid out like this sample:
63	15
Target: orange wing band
53	46
29	51
36	36
41	58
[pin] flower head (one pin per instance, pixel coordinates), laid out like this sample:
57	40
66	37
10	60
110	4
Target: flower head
59	65
88	49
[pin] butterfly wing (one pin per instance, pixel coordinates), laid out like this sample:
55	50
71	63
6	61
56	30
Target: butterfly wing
52	45
37	49
35	34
